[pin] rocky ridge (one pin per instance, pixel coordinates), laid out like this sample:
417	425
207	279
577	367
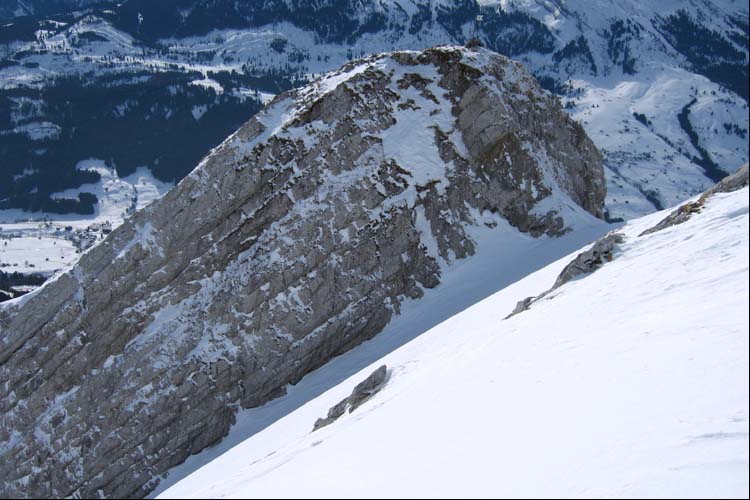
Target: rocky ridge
733	182
603	249
293	241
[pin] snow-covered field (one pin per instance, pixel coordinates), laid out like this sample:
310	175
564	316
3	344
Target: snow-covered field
45	243
631	382
42	254
118	197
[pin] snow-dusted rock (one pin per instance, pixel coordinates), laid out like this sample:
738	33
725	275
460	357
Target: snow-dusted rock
361	393
293	241
590	260
586	262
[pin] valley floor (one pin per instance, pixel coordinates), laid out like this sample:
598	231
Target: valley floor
44	243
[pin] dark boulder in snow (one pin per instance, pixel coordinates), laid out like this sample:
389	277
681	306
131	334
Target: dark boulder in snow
590	260
584	263
361	393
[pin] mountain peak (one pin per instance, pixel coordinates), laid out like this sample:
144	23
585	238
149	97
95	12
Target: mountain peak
297	238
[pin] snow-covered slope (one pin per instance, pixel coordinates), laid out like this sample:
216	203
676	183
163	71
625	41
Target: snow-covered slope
632	381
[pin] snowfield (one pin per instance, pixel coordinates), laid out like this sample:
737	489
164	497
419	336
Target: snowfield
629	382
39	254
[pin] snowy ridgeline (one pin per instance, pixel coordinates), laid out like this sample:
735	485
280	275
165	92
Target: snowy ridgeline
632	381
215	276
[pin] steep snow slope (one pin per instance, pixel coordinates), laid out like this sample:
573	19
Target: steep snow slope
632	381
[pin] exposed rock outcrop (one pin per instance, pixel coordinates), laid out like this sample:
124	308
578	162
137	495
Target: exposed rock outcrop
293	241
584	263
590	260
733	182
603	249
361	393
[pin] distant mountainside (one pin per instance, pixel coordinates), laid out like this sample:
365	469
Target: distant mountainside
661	87
296	239
12	9
712	36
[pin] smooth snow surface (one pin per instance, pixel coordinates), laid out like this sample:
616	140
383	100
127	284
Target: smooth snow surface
632	381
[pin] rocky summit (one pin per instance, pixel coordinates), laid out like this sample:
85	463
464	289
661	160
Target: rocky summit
294	240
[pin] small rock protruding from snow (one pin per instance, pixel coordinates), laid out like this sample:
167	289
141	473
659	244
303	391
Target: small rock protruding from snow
361	393
589	261
584	263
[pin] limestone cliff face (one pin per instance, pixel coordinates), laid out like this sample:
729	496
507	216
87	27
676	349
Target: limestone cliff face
293	241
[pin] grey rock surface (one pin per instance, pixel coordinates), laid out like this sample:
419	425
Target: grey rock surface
525	304
590	260
733	182
361	393
584	263
293	241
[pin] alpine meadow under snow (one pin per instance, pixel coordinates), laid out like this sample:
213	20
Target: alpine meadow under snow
630	382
